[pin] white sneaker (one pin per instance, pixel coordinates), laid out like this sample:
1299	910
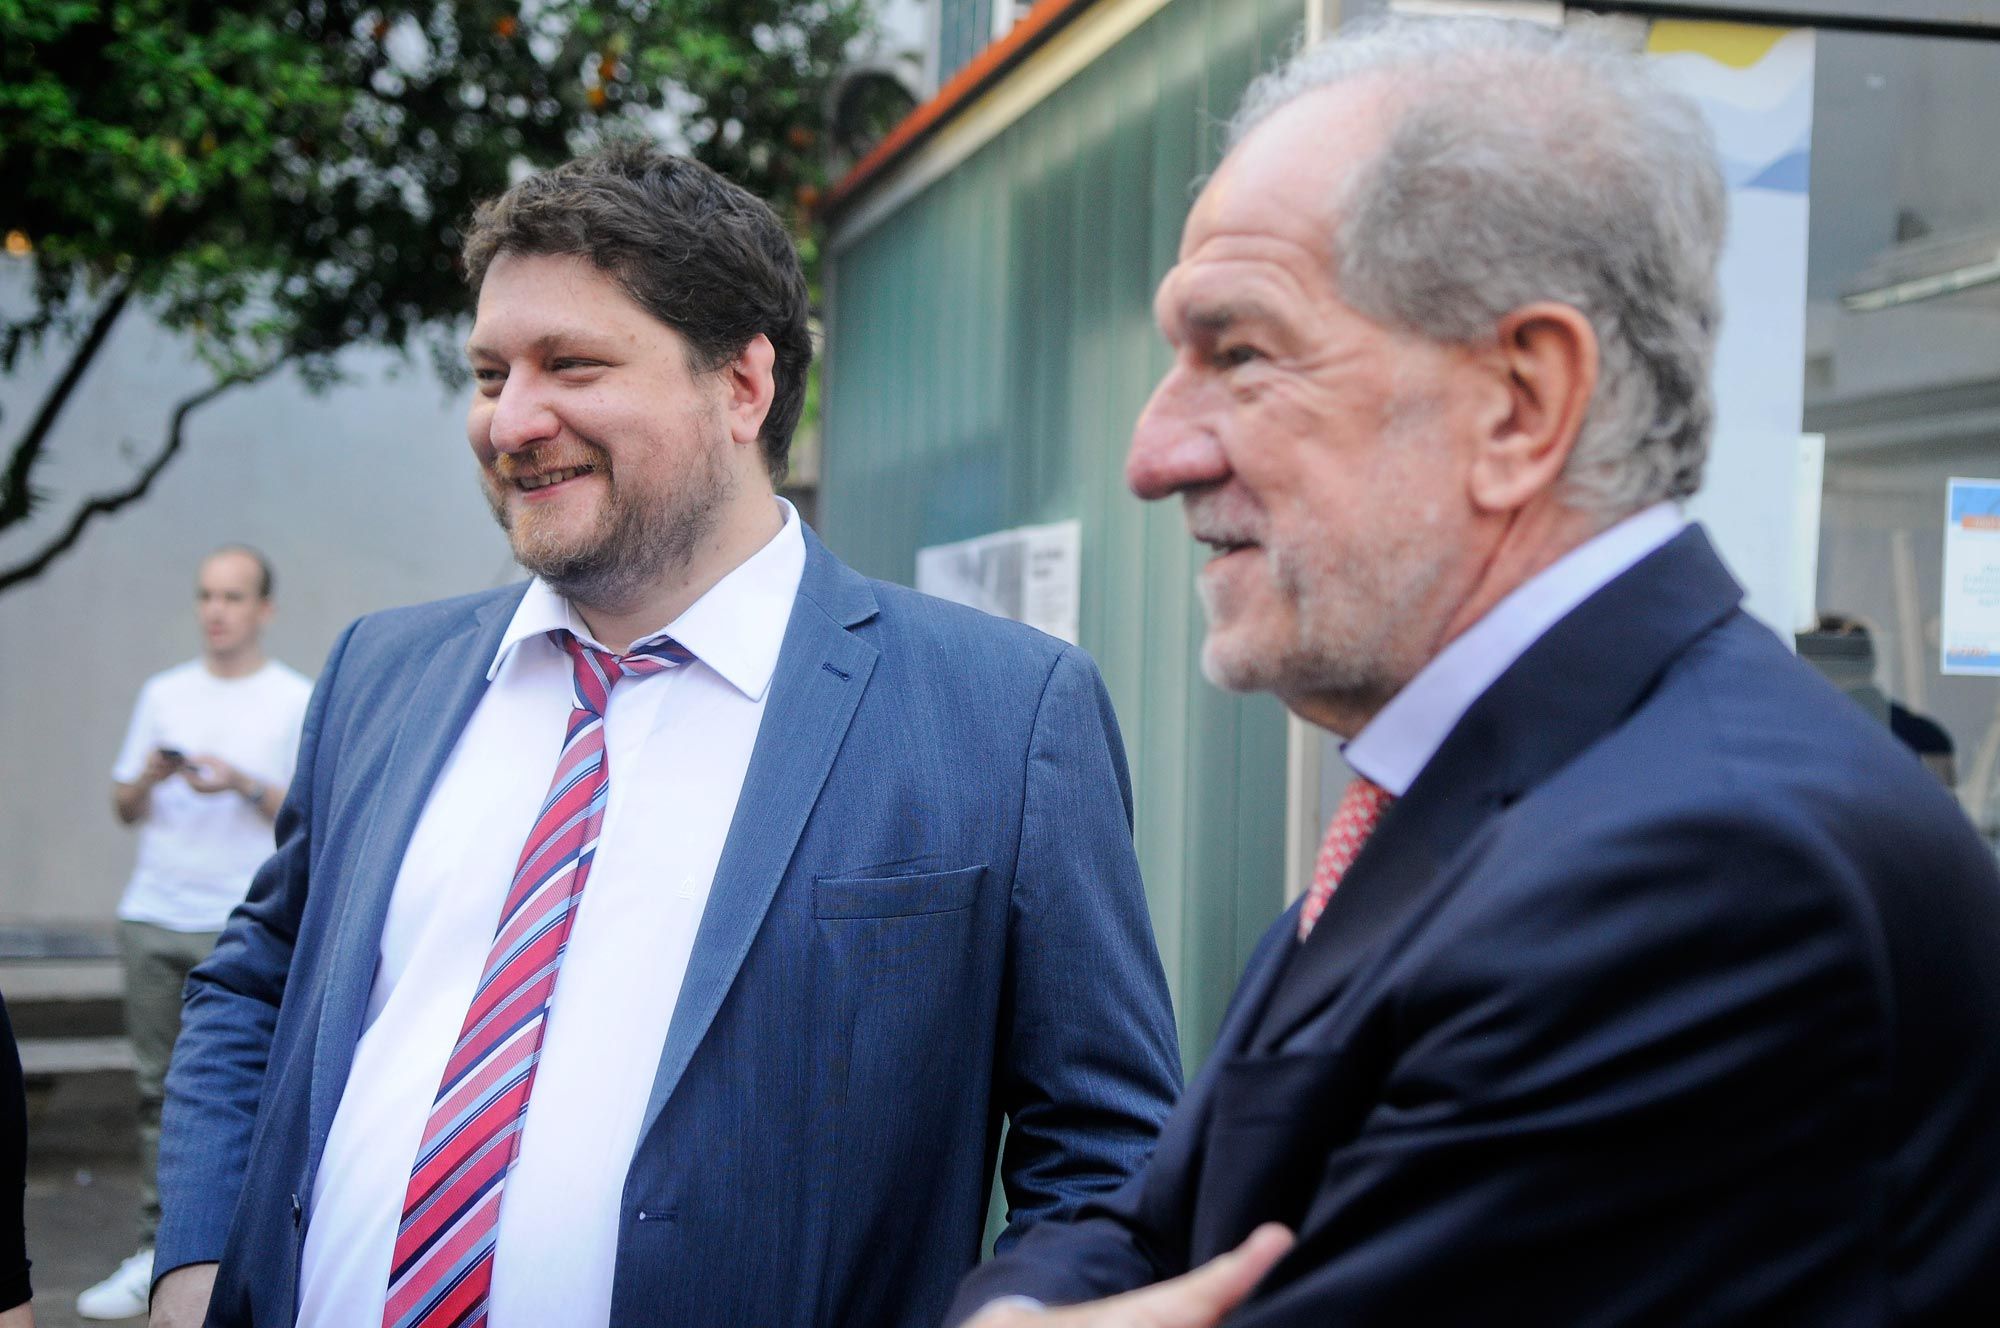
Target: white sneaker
122	1295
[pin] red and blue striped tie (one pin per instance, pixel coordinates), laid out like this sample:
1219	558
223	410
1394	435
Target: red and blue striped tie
442	1269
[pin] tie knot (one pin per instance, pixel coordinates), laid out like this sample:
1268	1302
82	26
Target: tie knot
1361	806
597	670
1363	802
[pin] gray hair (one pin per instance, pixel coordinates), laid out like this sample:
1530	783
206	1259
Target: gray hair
1526	163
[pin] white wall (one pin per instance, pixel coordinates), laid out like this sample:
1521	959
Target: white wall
364	497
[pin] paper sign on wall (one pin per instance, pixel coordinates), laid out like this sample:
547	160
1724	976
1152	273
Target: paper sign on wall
1971	618
1032	574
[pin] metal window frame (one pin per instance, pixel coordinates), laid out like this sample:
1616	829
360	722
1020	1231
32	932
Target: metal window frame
1978	20
1975	19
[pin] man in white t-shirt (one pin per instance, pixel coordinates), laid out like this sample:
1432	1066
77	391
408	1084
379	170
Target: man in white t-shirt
205	763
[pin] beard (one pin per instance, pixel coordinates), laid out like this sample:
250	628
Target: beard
1338	613
638	536
1345	641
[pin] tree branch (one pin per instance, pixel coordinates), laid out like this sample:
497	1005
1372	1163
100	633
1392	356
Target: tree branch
24	332
107	503
16	497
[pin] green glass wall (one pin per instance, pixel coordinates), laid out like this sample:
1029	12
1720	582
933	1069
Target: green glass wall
989	345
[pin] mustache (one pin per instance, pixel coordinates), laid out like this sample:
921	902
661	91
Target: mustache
1212	519
513	466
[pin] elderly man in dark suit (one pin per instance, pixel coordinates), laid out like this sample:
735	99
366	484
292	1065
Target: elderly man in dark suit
1642	980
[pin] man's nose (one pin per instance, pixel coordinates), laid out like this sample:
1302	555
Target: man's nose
521	416
1174	446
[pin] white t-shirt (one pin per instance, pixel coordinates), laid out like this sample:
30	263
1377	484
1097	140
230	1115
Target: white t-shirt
198	851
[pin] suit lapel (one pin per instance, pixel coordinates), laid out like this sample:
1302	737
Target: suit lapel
1260	976
1567	690
823	669
438	708
1395	867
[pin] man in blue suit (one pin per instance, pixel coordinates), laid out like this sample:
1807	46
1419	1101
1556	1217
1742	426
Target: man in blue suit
1643	980
667	941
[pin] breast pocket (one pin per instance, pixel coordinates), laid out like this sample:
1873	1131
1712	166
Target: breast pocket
836	897
904	987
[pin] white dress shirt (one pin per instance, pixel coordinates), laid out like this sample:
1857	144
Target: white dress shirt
1400	741
678	744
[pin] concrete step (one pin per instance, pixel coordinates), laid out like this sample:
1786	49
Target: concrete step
25	981
82	1017
63	968
49	1056
19	942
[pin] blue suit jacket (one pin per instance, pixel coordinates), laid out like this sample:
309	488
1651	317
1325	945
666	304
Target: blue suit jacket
927	917
1669	994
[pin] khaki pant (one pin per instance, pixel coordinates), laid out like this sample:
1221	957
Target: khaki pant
157	962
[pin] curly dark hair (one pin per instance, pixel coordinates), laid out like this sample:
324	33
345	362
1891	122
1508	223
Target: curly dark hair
701	254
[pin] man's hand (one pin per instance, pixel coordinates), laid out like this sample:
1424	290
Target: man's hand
212	774
180	1299
159	766
132	801
1194	1300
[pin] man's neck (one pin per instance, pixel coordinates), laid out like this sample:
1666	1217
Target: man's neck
1402	736
234	664
734	541
1534	540
1521	548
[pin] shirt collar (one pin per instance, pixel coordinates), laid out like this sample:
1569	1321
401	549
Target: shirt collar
736	628
1399	742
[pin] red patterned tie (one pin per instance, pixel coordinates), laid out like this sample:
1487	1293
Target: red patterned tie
443	1263
1361	806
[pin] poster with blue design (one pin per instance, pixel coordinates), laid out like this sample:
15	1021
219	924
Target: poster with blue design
1755	86
1760	499
1971	618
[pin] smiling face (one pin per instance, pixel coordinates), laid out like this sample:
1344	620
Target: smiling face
605	456
1318	453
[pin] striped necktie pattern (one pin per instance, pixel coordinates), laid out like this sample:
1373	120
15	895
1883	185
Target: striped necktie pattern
442	1268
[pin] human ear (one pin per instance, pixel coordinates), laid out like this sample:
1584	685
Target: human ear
751	380
1545	363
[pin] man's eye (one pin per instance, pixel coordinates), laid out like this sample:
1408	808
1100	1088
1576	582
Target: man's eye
489	377
1232	356
572	365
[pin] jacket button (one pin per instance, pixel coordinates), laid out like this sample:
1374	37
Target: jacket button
298	1214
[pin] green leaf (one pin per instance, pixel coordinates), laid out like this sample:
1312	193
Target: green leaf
287	178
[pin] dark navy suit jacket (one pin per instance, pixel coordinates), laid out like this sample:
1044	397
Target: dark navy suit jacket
927	918
1669	994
